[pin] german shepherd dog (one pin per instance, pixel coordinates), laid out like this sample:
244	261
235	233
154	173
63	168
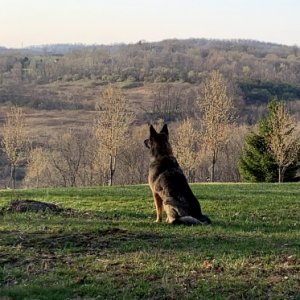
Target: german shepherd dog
168	184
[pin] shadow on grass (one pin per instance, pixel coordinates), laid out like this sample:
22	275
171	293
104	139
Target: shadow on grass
263	227
121	241
38	292
86	242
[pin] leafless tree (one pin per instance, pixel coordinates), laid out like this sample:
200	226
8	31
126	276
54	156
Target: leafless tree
186	147
283	142
111	126
172	102
36	165
134	159
217	114
67	153
14	139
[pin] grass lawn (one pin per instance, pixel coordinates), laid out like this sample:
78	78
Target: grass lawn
108	247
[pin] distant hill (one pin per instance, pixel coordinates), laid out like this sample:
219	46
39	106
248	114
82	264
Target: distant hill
256	71
243	44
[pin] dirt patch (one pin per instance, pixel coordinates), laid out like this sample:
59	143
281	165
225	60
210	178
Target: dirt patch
20	206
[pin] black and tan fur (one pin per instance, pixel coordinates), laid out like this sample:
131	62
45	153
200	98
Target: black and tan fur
169	186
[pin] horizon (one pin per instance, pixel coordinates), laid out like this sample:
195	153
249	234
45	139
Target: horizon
32	23
38	46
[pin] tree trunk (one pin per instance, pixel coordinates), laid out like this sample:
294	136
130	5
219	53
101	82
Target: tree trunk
279	174
112	168
37	180
188	175
13	176
212	175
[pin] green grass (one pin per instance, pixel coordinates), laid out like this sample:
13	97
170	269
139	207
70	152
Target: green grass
108	247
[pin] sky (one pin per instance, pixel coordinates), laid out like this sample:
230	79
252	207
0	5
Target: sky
40	22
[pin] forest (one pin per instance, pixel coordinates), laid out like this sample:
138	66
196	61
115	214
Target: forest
61	91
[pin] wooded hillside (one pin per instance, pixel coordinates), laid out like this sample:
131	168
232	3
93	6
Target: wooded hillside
259	70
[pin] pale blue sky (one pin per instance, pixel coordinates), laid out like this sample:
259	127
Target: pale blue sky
36	22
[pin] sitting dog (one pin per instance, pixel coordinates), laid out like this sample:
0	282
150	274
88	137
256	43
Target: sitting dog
169	186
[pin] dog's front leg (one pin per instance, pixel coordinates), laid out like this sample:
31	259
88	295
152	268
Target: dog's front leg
158	206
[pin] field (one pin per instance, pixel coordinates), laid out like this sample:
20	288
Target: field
105	245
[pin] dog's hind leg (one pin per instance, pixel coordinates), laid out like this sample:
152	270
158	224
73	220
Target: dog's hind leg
158	206
171	212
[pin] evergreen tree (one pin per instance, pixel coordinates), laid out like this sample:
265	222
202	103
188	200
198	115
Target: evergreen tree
257	164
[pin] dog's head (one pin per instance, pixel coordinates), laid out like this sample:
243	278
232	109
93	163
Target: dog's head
158	143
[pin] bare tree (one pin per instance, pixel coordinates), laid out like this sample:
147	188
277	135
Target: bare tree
282	140
40	171
217	113
66	156
172	102
134	159
111	125
72	158
14	139
36	165
185	146
93	170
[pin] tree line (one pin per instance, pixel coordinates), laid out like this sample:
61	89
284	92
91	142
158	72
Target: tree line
210	145
166	61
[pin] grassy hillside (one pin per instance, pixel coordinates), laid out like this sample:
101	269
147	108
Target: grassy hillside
108	247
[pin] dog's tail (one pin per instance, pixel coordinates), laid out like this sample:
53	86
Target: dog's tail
189	220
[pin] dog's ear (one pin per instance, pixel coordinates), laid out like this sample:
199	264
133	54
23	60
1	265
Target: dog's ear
165	130
152	131
147	143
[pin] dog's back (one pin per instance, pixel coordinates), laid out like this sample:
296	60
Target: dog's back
169	185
